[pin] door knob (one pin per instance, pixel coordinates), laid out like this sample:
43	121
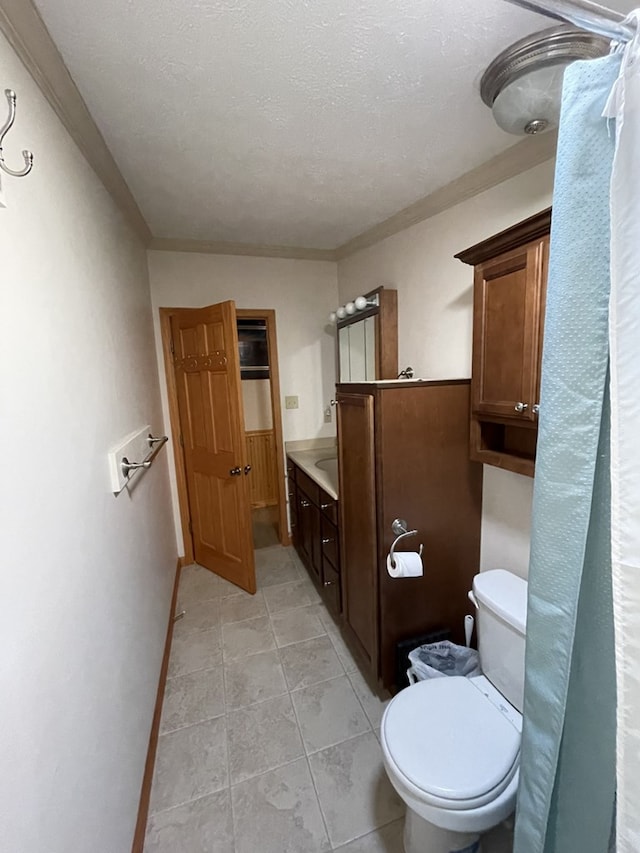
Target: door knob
247	468
521	407
235	471
536	409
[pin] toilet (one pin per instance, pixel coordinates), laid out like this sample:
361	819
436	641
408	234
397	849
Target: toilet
451	745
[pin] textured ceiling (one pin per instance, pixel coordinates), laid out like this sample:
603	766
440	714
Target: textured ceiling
288	122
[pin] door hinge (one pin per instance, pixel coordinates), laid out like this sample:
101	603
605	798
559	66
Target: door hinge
190	527
181	440
173	349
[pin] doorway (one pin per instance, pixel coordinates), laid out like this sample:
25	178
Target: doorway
264	447
262	419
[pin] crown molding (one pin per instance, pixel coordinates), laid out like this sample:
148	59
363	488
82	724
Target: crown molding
515	160
28	36
253	250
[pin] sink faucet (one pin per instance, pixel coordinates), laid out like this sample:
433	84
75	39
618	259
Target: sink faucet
407	373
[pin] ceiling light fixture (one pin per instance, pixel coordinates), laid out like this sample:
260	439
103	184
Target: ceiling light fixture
523	84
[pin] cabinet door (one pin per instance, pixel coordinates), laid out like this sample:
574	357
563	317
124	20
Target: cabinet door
309	533
508	291
358	539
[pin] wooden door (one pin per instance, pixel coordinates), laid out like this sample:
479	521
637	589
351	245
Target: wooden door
207	371
506	335
358	534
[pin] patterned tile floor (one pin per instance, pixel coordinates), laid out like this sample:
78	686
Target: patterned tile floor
269	732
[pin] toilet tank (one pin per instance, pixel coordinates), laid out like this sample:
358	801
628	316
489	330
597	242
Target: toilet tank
501	601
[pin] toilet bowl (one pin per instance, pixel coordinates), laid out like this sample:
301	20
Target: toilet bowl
451	746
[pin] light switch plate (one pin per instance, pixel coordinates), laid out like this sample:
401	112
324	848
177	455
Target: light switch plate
291	402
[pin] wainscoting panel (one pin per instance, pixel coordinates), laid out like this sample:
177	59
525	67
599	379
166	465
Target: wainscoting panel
263	479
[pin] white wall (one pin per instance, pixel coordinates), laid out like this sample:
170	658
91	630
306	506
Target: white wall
303	293
435	308
86	577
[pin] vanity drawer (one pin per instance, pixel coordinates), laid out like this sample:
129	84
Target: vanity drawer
311	488
331	587
330	543
329	507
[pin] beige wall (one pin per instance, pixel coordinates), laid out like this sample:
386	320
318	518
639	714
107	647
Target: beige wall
256	397
435	323
303	293
86	577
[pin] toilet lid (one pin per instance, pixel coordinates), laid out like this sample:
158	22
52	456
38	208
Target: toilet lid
449	740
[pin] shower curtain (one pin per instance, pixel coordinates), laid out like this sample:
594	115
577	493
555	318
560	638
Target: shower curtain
585	547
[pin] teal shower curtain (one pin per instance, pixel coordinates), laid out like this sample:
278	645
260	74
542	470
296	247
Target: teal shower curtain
566	799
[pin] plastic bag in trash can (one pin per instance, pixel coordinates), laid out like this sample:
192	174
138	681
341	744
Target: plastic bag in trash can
436	660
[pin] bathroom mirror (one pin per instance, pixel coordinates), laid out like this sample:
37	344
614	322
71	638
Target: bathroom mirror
367	341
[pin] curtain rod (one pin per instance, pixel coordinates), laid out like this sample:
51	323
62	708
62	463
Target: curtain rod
584	14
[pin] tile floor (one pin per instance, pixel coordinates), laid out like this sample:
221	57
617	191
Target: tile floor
269	732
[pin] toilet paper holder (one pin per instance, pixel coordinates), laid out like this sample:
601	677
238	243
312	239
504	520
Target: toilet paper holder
399	527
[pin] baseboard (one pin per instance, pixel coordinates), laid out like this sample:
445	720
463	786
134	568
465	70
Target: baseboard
147	779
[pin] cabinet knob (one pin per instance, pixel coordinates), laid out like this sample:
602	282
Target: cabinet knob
536	409
326	541
334	402
325	506
247	468
235	472
328	583
305	504
521	407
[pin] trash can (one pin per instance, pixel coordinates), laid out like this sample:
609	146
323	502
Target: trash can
437	660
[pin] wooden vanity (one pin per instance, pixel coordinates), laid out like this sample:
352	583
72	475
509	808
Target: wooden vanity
314	526
404	453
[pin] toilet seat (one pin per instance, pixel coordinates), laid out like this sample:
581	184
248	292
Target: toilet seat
451	742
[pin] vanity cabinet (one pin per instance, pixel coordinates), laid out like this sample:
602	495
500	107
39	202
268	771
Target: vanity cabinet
315	533
404	453
510	277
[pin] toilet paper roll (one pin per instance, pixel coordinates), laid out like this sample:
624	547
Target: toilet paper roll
408	564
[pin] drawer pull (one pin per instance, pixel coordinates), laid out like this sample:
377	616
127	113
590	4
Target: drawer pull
521	407
326	541
325	506
304	504
329	583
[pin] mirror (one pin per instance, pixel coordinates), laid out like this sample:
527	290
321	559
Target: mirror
367	344
357	348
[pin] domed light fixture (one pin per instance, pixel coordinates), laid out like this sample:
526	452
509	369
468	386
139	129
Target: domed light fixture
523	84
350	307
361	303
341	312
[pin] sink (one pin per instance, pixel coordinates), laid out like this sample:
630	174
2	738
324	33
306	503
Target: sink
329	465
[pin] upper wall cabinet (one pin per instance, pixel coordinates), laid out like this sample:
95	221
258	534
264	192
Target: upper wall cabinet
367	341
509	298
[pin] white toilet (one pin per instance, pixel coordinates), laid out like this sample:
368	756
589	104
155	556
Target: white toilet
451	746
